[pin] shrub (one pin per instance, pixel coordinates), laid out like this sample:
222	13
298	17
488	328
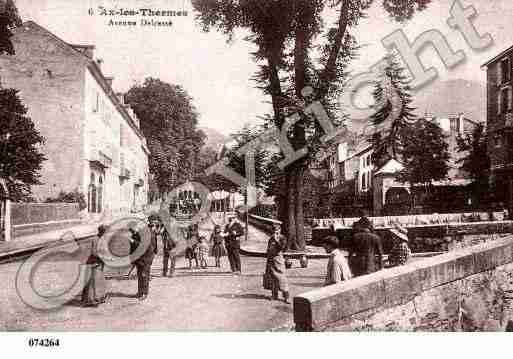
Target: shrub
69	197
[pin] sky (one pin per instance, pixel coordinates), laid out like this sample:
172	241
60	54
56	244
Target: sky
218	75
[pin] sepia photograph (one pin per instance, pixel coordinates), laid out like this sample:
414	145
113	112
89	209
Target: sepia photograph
261	166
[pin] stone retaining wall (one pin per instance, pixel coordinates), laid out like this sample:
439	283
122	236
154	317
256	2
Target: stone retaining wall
29	213
433	238
468	289
262	223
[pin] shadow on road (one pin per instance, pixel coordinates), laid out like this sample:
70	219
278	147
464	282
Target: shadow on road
308	285
243	296
121	295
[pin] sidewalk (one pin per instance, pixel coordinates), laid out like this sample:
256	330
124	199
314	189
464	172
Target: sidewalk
54	237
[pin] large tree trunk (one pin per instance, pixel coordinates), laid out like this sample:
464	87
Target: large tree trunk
292	215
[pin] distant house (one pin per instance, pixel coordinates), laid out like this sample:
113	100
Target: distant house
354	181
500	124
93	140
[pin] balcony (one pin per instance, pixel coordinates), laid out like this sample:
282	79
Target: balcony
124	173
100	158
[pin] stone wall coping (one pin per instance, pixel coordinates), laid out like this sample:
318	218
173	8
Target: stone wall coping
264	219
395	286
451	224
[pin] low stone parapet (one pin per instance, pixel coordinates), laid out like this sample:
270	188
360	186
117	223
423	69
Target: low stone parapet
461	290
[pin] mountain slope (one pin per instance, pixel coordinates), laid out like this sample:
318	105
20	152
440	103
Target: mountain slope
214	138
444	98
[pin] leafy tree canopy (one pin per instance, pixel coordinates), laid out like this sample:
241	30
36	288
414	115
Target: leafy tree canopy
169	122
425	154
9	19
20	143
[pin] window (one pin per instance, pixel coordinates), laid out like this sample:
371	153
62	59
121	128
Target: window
100	195
497	141
91	195
505	70
96	102
504	100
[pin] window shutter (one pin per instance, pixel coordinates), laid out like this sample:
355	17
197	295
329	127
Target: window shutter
499	73
499	101
510	98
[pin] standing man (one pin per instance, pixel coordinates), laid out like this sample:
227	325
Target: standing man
338	268
143	247
366	254
168	247
275	278
232	232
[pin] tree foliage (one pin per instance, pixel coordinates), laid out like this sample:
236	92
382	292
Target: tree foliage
9	19
20	143
425	154
388	141
169	122
295	49
476	161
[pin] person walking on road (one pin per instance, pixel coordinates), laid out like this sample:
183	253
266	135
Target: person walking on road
338	269
274	278
400	252
233	231
217	250
366	253
94	292
143	247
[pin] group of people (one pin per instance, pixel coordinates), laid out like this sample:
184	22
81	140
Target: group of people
365	252
365	256
222	243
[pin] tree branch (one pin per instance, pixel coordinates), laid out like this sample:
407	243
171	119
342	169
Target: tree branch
329	72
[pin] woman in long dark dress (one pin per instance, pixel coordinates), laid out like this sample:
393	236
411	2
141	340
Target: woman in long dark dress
217	240
275	279
94	292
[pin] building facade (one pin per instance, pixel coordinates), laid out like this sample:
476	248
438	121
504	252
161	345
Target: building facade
93	140
351	170
499	98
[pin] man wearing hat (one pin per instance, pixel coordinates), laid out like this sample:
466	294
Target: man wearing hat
275	278
338	268
400	252
143	247
232	233
366	254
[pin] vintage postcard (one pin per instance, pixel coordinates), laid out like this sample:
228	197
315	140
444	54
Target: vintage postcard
255	165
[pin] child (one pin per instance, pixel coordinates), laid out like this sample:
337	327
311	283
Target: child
400	253
218	249
191	251
202	251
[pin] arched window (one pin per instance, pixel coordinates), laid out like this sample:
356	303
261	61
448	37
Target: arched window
99	206
91	194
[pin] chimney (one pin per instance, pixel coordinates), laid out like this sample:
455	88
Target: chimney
109	80
121	97
461	123
87	50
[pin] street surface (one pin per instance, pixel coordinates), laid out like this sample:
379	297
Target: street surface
193	300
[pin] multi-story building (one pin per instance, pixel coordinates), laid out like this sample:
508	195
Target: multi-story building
500	124
93	140
351	167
